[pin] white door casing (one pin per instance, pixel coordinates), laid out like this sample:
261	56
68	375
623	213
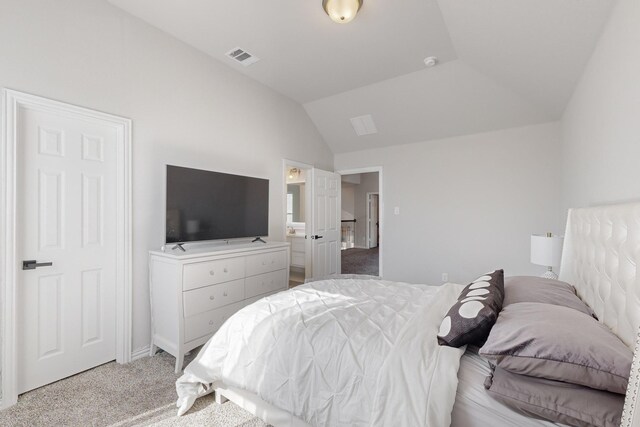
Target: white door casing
372	219
325	223
66	200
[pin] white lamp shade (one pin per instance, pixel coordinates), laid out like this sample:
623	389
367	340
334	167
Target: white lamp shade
546	250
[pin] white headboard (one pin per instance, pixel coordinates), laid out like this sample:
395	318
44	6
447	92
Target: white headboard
600	258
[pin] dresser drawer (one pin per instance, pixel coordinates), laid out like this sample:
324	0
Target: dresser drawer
264	263
265	283
210	297
207	323
211	272
259	297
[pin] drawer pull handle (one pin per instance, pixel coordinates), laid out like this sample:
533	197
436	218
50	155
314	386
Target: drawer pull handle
212	297
211	272
224	294
210	322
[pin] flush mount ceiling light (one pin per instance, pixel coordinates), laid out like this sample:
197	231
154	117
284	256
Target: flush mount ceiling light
342	11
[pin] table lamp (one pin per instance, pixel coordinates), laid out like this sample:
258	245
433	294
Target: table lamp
546	250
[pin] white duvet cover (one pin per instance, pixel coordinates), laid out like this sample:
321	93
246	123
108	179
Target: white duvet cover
338	353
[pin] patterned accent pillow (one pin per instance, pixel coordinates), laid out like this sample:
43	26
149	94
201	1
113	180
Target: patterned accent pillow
470	319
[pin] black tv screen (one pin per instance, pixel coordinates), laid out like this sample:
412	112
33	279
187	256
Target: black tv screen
205	205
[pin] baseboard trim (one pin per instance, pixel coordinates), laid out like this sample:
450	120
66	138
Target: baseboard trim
140	353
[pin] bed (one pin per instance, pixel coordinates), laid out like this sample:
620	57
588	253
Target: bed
289	358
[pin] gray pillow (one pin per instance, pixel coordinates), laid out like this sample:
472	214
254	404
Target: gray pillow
558	343
538	289
556	401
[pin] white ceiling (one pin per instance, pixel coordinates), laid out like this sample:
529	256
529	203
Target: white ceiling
503	63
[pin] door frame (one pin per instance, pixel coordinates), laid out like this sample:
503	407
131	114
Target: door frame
308	205
368	234
369	169
12	102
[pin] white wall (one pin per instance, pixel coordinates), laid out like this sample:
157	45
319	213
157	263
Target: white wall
601	125
467	204
187	108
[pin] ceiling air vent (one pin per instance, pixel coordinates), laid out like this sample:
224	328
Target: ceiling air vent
242	56
364	125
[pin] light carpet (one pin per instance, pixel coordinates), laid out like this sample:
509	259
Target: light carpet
141	393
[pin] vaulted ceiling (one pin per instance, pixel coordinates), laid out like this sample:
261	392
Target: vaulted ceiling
502	63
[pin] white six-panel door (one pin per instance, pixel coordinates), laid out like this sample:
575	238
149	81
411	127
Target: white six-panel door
325	229
66	215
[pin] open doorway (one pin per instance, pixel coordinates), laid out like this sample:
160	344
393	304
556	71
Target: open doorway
360	229
297	206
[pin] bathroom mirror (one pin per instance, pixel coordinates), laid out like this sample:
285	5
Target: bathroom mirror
295	203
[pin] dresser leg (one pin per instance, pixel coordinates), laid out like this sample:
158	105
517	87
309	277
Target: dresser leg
220	399
153	350
179	362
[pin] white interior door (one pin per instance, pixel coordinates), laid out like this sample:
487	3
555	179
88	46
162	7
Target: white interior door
373	220
325	223
66	215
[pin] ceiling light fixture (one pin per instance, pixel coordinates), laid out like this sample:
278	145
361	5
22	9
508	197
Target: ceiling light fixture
342	11
294	173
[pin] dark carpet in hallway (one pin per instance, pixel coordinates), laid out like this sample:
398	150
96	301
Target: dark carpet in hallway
360	261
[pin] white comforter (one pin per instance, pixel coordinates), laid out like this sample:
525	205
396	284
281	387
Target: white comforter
338	353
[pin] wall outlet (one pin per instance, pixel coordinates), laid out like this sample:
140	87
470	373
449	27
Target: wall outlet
445	277
396	211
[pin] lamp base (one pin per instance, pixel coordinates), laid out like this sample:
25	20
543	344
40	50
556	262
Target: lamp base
549	274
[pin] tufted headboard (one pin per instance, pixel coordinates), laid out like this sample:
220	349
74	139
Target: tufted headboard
600	259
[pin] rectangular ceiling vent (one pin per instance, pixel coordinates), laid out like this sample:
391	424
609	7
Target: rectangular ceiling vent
242	56
364	125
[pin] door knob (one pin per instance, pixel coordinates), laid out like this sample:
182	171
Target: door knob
316	237
33	264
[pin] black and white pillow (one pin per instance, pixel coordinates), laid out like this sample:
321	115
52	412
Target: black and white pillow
470	319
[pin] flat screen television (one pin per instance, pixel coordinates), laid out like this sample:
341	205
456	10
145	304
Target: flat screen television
205	205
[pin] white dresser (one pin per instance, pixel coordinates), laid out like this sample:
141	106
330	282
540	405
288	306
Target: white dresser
193	293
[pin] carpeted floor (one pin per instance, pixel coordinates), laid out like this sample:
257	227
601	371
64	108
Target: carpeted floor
360	261
141	393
